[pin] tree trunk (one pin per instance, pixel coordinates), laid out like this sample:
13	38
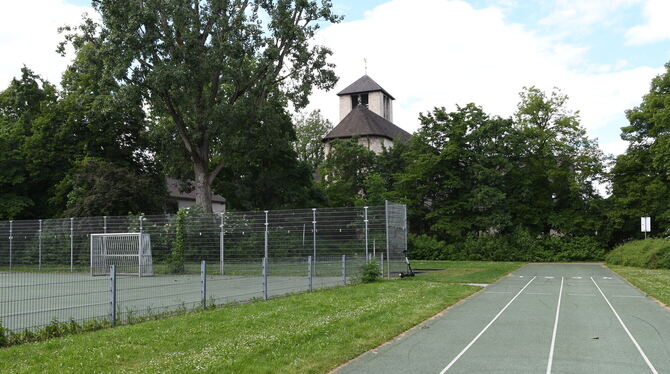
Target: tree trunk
203	188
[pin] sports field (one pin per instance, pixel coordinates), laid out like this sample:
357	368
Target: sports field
543	318
30	299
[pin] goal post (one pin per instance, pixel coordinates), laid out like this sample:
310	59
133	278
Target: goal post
130	253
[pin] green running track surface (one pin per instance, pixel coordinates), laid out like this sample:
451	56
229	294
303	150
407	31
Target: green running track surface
543	318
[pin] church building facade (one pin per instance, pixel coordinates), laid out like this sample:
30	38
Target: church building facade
366	112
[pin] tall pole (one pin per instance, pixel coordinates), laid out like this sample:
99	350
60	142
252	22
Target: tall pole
71	244
39	247
314	239
10	244
139	251
365	209
388	251
266	234
221	244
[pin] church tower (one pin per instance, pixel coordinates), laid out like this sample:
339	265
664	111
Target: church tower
366	112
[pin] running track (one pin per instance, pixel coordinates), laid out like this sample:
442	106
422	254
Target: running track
543	318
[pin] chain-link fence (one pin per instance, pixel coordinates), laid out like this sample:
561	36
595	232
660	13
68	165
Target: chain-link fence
69	270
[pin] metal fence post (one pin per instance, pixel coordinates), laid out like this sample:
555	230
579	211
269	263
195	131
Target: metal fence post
314	239
203	284
71	244
388	251
381	266
309	272
39	247
140	252
10	244
221	244
365	209
266	234
112	295
104	224
265	278
344	270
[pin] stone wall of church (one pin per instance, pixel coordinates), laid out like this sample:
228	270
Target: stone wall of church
375	102
345	106
374	143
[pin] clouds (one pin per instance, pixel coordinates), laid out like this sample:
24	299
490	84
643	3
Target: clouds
446	52
28	36
657	26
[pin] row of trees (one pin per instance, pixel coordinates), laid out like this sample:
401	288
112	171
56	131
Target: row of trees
197	90
468	174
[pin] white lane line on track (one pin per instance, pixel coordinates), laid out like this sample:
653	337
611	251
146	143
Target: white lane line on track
485	328
553	335
639	349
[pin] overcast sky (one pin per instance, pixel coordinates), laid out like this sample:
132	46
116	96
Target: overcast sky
427	53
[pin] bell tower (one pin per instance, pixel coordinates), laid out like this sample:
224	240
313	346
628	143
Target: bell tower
368	93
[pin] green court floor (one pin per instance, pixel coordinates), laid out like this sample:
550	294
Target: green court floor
33	300
543	318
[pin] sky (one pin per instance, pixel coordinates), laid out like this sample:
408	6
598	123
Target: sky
442	53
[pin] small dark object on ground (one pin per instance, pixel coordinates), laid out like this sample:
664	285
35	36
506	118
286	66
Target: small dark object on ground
409	272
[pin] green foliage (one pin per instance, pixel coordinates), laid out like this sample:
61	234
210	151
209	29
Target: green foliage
263	170
345	171
45	135
370	272
4	341
518	246
28	109
206	67
176	258
310	130
53	330
95	187
648	253
640	177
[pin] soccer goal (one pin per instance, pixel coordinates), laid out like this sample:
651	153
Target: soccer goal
130	253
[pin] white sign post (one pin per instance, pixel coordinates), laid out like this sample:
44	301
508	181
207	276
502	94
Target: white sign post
645	225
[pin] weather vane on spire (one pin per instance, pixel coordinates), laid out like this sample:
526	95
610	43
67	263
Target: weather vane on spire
365	63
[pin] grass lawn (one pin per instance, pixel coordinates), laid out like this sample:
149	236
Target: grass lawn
654	282
304	333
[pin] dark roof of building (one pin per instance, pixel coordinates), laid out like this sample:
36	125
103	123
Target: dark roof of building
361	121
184	190
364	84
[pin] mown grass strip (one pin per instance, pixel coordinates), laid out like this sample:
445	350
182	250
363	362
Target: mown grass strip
305	333
653	282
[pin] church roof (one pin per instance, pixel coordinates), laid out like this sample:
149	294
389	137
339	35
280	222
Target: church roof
363	84
361	121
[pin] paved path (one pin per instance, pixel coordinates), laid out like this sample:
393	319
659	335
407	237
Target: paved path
543	318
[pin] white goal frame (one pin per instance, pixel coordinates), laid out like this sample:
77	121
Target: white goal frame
129	252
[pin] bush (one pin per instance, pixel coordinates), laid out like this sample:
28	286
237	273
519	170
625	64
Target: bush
647	253
426	247
176	258
3	336
517	246
371	272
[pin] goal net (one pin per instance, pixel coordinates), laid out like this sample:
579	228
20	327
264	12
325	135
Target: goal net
130	253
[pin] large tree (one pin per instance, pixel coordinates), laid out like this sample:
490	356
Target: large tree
558	166
641	176
310	130
203	65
